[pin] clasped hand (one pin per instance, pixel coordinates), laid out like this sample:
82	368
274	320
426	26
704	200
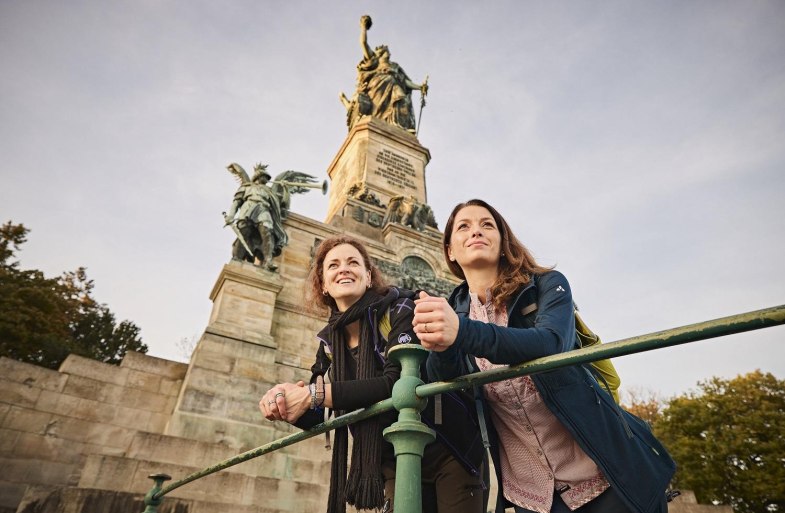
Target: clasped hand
286	401
435	322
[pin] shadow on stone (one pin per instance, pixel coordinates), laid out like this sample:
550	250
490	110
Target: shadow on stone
89	500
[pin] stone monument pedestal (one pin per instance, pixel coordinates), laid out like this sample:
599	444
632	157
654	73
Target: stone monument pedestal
244	302
386	160
233	363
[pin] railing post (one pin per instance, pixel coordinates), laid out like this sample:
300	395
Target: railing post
408	435
150	500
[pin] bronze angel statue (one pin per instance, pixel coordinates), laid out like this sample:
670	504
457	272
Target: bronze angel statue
258	210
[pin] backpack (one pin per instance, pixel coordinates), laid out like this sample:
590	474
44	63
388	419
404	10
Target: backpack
604	368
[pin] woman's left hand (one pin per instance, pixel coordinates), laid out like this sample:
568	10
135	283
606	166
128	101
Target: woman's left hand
435	322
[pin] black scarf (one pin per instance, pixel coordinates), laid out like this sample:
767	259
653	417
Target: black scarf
364	488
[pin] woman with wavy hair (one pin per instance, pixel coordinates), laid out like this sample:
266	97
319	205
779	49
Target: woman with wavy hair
352	371
559	441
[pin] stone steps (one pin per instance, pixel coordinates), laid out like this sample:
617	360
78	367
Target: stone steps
230	486
295	463
91	500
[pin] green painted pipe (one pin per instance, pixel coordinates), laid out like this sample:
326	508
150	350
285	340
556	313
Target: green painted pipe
343	420
730	325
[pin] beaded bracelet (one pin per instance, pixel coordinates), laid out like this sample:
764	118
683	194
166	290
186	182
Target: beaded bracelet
317	393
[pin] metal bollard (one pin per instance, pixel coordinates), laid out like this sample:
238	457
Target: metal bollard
150	500
408	434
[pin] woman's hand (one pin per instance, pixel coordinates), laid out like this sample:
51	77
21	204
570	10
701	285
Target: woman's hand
286	401
435	322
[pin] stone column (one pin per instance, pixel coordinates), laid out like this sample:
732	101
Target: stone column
233	363
244	302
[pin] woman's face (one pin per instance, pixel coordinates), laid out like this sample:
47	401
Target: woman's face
344	275
383	54
475	241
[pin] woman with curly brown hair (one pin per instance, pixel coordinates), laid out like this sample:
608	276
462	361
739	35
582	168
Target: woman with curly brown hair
367	318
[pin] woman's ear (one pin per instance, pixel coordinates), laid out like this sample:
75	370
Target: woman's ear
449	254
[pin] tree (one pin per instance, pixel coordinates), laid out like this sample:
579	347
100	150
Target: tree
42	319
729	441
645	404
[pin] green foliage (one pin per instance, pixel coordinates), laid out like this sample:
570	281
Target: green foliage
42	319
729	442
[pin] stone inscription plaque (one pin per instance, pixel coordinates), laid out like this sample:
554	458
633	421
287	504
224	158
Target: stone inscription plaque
396	170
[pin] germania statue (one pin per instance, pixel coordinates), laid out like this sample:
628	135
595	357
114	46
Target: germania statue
384	90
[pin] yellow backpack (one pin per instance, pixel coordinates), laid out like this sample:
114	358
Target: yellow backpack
605	368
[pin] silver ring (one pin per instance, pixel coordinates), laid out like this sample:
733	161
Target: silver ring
270	402
279	394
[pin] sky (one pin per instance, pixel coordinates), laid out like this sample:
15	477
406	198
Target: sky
637	146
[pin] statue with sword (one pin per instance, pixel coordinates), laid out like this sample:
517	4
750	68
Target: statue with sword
258	210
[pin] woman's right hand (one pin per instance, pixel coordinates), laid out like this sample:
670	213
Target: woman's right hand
435	322
286	401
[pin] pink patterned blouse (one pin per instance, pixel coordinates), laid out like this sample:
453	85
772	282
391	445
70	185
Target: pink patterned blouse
538	455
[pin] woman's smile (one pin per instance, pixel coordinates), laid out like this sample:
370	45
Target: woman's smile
345	276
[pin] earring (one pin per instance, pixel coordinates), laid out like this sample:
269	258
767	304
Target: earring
324	292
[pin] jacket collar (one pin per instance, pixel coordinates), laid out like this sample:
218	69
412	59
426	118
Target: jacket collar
459	299
512	305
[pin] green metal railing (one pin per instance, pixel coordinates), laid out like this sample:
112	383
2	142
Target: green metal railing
409	436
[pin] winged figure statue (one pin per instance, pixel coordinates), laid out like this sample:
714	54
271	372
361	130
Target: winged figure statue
258	210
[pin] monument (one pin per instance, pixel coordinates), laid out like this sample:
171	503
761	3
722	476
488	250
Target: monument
85	438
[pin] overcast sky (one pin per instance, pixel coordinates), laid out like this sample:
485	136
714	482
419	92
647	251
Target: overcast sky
637	146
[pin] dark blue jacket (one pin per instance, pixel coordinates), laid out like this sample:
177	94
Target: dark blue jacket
635	463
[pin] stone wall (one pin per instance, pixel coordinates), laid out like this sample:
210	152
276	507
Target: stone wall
51	422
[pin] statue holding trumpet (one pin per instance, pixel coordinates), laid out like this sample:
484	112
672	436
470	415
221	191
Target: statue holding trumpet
258	210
